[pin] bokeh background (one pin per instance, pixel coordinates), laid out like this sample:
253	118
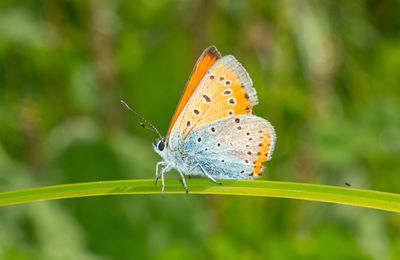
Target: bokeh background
327	76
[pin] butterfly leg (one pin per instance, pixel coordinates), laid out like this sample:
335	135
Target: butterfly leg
209	176
161	163
184	182
162	172
162	180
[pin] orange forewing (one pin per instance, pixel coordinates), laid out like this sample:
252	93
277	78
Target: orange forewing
220	107
205	61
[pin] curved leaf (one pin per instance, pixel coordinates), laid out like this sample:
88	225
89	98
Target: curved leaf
311	192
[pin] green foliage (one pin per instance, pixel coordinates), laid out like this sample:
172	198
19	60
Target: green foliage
327	78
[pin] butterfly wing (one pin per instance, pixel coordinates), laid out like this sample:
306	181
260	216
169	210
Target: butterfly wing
224	91
232	147
205	61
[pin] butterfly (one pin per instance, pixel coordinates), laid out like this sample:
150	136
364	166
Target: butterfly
213	132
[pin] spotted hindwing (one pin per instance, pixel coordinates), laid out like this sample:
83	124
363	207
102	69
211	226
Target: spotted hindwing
233	147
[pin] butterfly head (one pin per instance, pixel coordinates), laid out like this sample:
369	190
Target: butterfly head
160	145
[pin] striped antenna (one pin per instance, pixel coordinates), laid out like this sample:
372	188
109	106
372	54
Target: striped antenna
145	124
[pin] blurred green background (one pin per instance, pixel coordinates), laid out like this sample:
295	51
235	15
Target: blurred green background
327	76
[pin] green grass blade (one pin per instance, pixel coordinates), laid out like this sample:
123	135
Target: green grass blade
311	192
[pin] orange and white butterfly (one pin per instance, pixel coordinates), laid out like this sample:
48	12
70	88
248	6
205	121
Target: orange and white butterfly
213	132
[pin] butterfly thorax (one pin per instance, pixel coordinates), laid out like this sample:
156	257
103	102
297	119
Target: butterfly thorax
176	158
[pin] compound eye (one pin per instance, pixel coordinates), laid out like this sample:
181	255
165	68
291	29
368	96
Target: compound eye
161	145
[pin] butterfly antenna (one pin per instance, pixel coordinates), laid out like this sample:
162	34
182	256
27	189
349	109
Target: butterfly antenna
145	124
